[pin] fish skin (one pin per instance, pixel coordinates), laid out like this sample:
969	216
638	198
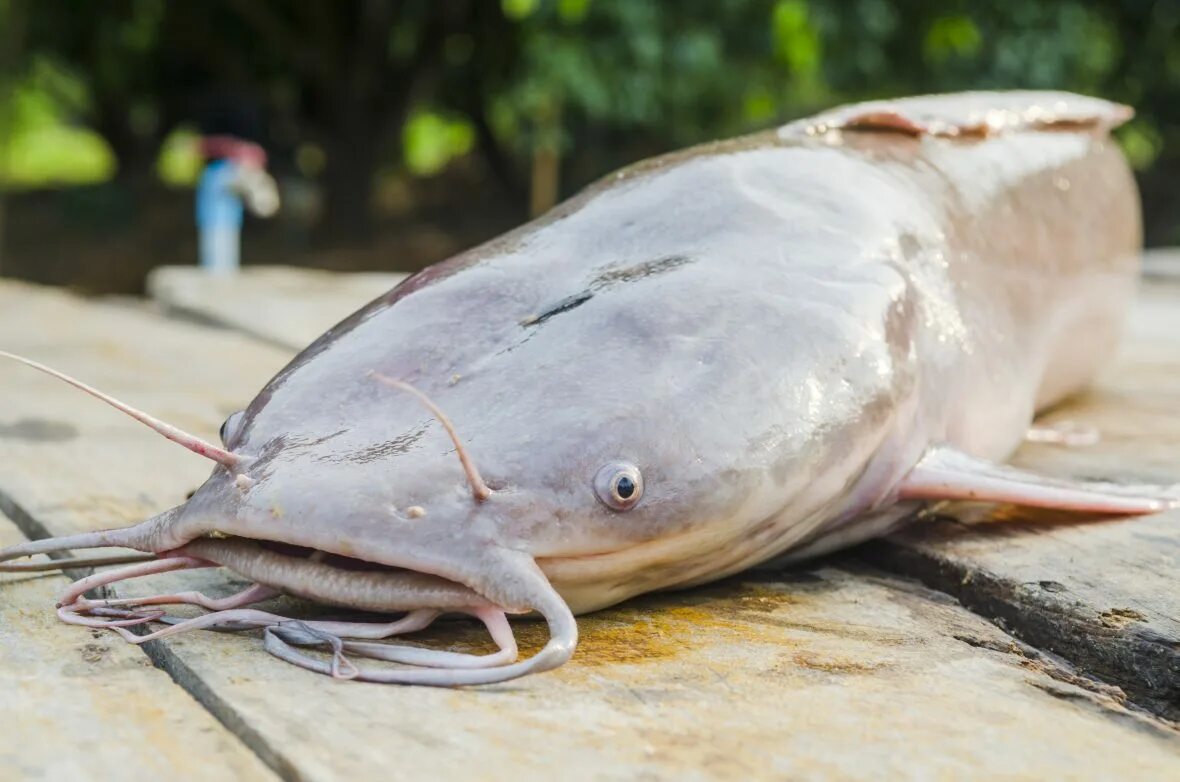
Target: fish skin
774	329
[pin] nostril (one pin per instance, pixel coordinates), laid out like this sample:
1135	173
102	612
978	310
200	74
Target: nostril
495	484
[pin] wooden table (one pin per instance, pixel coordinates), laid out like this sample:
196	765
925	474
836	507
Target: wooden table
985	643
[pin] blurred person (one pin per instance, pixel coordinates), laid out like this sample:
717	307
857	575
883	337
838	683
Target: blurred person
234	178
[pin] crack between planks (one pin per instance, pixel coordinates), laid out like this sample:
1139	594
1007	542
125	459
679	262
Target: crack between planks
166	660
1067	684
191	682
24	521
1125	661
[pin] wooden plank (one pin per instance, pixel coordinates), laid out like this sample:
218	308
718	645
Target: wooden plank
1104	594
834	673
283	305
83	705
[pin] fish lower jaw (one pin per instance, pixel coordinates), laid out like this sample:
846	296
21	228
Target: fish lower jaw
592	582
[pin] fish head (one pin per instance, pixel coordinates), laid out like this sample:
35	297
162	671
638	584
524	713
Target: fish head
629	435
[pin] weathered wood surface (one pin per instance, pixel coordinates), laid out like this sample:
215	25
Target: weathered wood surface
186	374
282	305
86	706
836	673
1104	594
1162	263
831	674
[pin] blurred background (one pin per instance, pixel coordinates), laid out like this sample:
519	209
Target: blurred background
402	131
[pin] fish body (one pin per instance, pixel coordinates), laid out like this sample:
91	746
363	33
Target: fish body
774	329
750	351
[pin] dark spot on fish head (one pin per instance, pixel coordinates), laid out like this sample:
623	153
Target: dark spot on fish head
38	430
610	277
399	445
564	305
623	274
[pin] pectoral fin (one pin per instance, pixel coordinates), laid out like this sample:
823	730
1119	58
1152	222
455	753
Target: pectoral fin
947	474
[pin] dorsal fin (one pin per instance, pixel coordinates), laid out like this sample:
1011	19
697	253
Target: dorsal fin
967	114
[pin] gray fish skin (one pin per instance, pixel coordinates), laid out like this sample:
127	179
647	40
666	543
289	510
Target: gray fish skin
773	329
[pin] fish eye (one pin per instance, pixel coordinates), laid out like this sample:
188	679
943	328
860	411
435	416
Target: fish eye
619	485
229	427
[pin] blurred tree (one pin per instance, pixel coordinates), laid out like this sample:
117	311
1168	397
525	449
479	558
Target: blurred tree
116	49
350	72
13	19
548	94
668	73
636	76
359	67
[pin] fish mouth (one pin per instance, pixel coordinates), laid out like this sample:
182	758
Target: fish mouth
335	579
275	568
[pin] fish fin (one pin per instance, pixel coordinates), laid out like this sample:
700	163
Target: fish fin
947	474
968	114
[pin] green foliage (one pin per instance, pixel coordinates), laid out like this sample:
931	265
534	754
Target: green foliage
597	81
669	69
1141	142
41	146
691	70
56	155
678	73
431	140
179	162
519	9
797	42
951	37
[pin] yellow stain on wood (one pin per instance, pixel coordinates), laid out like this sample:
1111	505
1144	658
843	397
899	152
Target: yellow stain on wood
837	664
657	627
647	629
